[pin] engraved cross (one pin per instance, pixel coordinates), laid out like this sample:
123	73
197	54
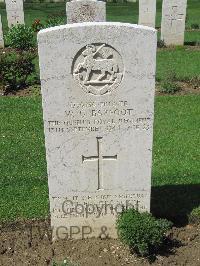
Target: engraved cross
99	158
174	15
15	16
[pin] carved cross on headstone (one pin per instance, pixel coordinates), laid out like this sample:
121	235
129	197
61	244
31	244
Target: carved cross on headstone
15	12
174	16
86	11
99	158
16	17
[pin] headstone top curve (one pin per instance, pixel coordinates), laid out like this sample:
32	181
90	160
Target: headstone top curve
91	24
98	87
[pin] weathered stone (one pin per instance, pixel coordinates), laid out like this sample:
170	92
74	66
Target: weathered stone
173	21
86	11
1	35
147	13
98	82
15	12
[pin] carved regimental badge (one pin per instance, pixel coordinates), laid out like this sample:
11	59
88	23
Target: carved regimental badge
98	68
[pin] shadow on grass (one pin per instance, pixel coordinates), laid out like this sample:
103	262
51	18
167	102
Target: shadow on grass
175	202
192	43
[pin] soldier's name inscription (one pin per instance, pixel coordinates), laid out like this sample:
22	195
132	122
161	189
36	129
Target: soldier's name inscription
97	116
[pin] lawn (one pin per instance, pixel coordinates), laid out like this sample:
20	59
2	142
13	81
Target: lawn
122	12
176	150
23	182
183	62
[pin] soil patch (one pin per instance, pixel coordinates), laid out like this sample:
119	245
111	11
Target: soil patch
29	243
186	88
185	47
23	92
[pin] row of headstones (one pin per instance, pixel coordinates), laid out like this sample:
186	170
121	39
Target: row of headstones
172	25
15	15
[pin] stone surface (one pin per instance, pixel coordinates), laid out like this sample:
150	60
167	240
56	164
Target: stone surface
147	12
86	11
15	12
98	82
173	21
1	35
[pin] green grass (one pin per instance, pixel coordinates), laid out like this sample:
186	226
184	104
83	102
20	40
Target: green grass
23	184
177	140
176	175
176	156
122	12
182	62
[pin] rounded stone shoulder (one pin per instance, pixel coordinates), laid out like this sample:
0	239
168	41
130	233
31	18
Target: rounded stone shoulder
101	25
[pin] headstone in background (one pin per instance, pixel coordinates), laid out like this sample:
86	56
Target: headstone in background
86	11
1	35
54	1
147	12
15	12
173	21
98	82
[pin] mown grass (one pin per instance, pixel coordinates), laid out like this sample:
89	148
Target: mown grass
122	12
23	183
176	140
185	63
23	178
181	63
176	176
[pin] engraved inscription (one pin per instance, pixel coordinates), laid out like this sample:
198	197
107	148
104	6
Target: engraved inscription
98	68
15	12
173	16
83	14
99	158
98	205
104	116
16	17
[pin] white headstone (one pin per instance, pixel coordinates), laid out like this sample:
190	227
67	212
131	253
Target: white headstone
147	13
1	35
15	12
98	82
86	11
173	21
